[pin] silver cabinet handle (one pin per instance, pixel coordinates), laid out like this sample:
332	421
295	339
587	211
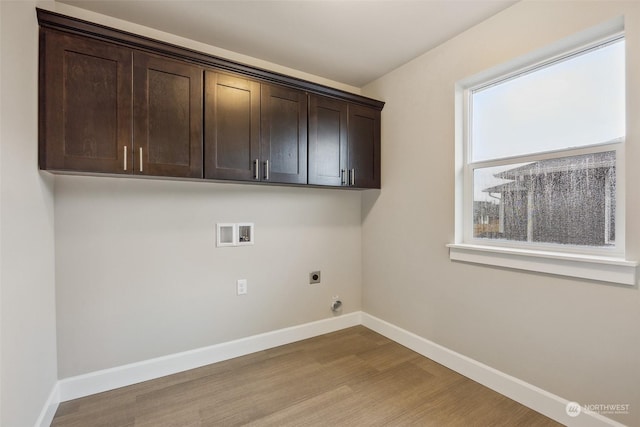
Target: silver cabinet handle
352	177
342	177
140	159
266	170
256	168
125	157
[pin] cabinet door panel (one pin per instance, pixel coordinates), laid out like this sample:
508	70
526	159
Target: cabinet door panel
364	146
283	141
168	121
86	113
327	141
232	127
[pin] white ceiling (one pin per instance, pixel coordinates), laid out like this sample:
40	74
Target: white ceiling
349	41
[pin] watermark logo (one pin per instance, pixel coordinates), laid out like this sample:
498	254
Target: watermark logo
573	409
607	408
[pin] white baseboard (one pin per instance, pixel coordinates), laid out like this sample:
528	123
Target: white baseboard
109	379
527	394
50	407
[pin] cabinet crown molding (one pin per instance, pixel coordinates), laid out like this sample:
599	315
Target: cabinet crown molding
57	21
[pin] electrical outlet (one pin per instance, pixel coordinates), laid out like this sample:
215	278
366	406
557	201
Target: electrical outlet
241	286
314	277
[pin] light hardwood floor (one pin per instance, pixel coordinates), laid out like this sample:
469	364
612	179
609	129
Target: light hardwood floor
353	377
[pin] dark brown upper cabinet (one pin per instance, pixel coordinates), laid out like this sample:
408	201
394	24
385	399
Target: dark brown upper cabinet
327	141
364	147
86	115
253	131
283	142
113	102
232	127
344	144
167	103
110	109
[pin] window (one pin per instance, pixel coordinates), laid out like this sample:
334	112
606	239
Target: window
541	162
562	200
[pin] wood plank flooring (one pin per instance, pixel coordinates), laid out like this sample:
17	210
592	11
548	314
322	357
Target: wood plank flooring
353	377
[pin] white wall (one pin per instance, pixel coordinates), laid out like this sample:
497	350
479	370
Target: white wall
577	339
1	334
138	274
28	337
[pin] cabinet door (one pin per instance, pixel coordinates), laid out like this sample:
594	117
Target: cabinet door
364	147
85	104
168	117
283	142
232	127
327	141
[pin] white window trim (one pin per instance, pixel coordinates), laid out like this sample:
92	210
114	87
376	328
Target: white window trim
599	265
592	267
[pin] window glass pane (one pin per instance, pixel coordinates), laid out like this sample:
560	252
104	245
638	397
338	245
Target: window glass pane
566	200
576	102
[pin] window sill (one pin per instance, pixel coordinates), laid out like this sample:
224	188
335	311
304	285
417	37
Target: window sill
614	270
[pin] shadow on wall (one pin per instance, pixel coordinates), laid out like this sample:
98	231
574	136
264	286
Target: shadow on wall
369	199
